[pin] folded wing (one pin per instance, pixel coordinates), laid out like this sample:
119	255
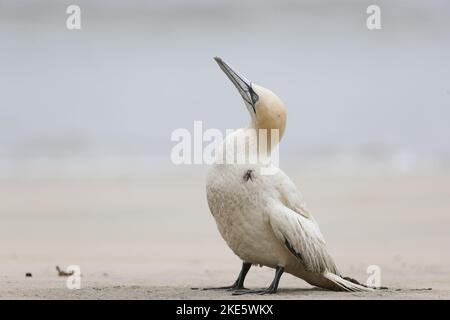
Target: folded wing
296	228
302	238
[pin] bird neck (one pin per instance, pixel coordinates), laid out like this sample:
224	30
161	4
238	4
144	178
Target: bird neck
267	138
268	129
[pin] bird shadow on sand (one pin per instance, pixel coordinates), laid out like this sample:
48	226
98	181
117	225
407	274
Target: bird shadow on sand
314	290
304	290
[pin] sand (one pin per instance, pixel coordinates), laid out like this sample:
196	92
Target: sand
152	237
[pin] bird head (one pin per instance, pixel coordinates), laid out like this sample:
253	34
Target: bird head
266	109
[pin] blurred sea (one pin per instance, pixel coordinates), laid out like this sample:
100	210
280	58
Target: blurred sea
105	99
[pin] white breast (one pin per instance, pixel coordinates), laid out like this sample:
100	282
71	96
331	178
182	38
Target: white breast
240	209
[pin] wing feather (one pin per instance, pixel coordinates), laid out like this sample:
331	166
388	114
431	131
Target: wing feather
290	196
302	238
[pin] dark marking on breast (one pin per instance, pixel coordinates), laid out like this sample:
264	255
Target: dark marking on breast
248	175
291	249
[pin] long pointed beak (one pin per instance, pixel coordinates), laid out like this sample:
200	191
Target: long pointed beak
240	82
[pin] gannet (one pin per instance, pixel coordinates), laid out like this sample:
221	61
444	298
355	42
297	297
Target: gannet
262	217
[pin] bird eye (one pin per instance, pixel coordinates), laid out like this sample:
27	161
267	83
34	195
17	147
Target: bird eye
254	97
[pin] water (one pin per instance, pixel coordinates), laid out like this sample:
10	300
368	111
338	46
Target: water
107	98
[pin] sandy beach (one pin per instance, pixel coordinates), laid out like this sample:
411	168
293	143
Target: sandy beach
153	237
92	114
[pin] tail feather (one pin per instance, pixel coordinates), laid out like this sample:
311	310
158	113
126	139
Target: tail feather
346	285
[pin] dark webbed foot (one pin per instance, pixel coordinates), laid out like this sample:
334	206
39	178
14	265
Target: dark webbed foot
270	290
238	284
233	287
258	291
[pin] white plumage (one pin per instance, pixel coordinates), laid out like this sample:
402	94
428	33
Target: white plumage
262	217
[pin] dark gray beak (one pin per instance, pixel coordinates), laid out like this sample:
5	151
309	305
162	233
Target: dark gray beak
240	82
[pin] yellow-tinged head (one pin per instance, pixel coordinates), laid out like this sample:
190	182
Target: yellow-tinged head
266	109
270	112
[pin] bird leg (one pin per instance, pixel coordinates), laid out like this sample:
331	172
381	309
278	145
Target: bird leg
270	290
239	283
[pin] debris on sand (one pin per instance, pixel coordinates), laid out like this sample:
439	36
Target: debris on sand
63	273
28	275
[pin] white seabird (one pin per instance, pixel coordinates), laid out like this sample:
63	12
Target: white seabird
262	216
